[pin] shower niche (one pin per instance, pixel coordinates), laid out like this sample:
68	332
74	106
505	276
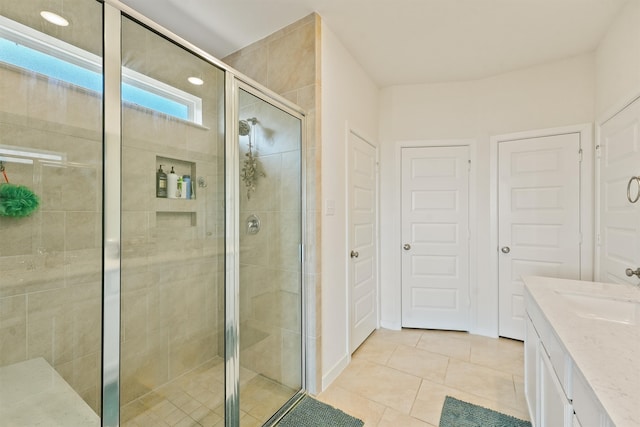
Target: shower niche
181	212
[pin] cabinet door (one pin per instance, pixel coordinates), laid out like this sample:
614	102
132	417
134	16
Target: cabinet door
531	361
586	406
555	409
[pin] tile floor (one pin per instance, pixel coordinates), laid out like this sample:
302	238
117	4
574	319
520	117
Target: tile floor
400	378
396	378
196	399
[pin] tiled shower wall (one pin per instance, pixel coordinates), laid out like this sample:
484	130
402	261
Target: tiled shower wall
288	63
172	249
172	254
270	312
50	285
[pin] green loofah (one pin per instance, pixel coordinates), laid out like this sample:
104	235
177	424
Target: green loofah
17	200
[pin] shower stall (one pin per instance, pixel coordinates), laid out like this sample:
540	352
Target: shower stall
159	281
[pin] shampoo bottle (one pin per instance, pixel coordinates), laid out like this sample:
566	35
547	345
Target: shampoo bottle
161	183
186	187
180	191
172	184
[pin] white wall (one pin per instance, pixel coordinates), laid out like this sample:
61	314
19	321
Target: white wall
550	95
349	98
618	61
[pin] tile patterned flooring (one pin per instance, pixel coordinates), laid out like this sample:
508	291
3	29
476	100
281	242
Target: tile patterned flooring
196	399
396	378
401	378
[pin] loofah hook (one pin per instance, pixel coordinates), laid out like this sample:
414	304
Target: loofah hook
4	172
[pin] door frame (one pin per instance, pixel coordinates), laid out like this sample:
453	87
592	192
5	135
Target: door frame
473	236
586	201
349	270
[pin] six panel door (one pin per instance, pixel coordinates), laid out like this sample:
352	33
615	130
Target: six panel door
539	218
435	237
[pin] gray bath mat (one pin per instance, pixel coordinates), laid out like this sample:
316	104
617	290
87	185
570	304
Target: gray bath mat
310	412
456	413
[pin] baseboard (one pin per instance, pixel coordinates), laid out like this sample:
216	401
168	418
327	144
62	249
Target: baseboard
335	371
394	326
490	333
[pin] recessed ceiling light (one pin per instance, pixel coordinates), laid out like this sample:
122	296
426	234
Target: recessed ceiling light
54	18
196	81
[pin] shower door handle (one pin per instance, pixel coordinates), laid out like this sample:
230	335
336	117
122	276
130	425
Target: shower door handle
354	254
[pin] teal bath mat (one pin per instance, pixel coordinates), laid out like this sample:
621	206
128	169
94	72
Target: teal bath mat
456	413
310	412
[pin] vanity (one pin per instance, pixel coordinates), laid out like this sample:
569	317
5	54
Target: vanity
582	353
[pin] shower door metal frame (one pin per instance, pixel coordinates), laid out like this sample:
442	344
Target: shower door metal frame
112	221
113	11
234	84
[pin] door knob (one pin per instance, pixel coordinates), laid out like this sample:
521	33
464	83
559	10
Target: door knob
354	254
505	249
629	272
406	247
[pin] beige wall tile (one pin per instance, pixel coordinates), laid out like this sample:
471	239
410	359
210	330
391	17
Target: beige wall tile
187	353
19	234
51	229
15	87
144	365
77	108
82	230
13	329
294	52
252	62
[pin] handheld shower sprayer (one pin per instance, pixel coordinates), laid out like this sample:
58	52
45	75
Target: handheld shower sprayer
245	126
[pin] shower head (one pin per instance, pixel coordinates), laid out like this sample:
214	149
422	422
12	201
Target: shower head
244	128
245	125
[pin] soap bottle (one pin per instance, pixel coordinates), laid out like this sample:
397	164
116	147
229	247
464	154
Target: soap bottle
172	184
161	183
186	186
179	191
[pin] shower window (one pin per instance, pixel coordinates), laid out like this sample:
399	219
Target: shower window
35	51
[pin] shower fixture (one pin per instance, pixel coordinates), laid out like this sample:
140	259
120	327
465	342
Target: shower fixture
245	126
250	171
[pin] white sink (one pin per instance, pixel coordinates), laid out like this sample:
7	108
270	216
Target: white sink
600	307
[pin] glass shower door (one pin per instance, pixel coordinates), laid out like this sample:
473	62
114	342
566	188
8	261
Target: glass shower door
270	289
50	214
172	324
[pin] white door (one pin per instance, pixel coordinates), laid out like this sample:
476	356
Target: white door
619	230
538	217
435	237
362	240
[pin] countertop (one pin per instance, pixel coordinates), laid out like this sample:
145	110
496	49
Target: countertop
32	393
607	353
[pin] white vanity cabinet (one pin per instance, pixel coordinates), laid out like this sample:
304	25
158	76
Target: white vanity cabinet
548	385
588	411
555	406
531	368
582	353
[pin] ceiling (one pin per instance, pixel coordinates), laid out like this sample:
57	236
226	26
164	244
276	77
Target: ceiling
405	41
